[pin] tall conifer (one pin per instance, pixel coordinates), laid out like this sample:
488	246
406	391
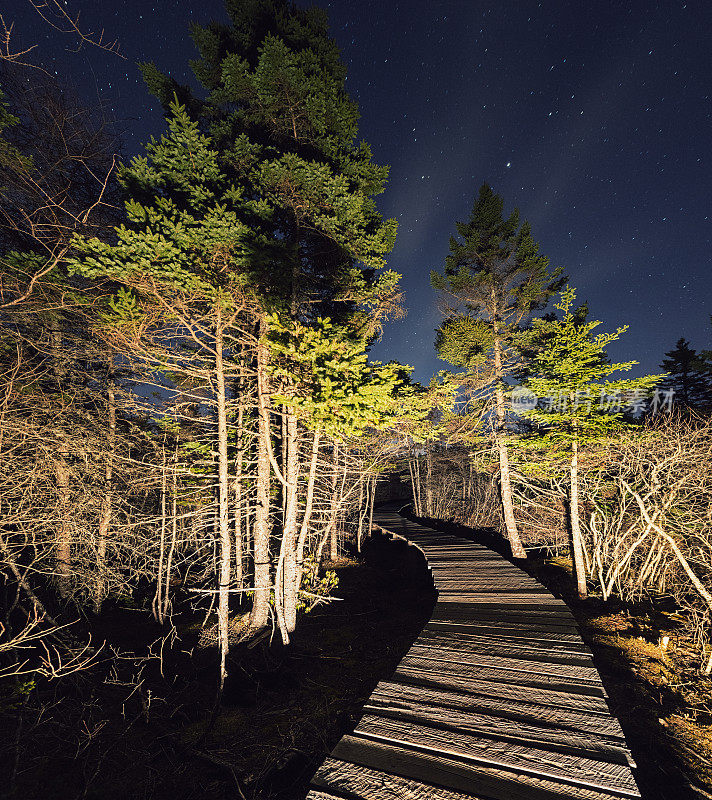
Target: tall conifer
494	279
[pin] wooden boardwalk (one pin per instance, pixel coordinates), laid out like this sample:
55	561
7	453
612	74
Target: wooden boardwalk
498	698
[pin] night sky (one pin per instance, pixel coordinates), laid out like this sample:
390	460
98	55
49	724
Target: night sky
594	119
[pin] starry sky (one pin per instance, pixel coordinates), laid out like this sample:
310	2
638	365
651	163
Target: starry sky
594	119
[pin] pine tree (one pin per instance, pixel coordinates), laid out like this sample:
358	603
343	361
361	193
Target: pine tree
260	190
576	401
285	130
689	376
495	278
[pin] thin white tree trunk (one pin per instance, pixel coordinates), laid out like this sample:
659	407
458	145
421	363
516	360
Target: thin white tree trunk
576	538
505	482
308	505
290	572
105	522
261	526
223	499
333	538
158	598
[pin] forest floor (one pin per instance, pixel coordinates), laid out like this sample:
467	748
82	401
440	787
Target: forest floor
655	688
134	726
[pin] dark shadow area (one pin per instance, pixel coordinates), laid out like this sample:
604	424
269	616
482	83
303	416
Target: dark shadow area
133	726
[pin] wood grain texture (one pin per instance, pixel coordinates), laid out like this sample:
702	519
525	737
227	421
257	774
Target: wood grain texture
352	780
556	764
468	778
506	632
539	708
497	699
530	650
542	695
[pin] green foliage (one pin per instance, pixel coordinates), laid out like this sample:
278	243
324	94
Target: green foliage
15	693
314	589
285	131
11	159
689	376
494	268
569	374
464	341
179	226
494	279
329	380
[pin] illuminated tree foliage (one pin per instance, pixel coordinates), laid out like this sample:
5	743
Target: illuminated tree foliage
569	374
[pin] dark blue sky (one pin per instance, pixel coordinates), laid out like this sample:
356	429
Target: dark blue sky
594	119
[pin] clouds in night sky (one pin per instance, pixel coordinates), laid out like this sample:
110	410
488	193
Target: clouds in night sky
594	120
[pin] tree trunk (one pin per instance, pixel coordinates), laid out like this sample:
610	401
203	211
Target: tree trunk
576	539
63	547
105	522
429	510
308	506
174	535
223	499
505	484
63	542
360	507
333	533
158	598
374	481
290	572
237	496
261	525
414	485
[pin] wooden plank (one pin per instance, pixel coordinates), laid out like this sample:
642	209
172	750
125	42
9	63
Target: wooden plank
522	621
495	647
507	632
560	614
526	626
576	672
354	781
449	676
452	671
462	776
532	735
544	695
543	708
526	594
484	601
498	698
558	766
508	596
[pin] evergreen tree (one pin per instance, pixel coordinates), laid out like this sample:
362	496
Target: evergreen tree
576	402
255	212
495	278
285	131
689	376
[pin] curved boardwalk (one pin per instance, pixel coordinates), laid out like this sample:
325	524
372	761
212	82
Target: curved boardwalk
498	698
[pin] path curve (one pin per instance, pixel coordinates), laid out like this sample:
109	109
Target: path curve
497	699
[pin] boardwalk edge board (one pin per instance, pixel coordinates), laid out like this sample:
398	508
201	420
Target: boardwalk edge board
497	699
